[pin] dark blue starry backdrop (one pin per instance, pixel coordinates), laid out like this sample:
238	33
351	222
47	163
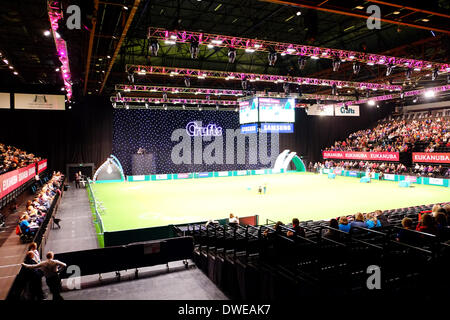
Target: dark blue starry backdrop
152	130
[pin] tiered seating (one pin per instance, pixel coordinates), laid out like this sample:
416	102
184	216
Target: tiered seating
261	262
12	158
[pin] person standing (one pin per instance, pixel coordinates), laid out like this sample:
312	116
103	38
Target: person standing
77	180
50	268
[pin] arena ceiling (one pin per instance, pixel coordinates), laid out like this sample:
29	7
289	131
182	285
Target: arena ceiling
117	37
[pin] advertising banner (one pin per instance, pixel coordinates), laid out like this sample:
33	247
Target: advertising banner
431	157
389	176
320	110
350	111
249	128
354	155
277	127
5	102
39	101
42	165
14	179
436	181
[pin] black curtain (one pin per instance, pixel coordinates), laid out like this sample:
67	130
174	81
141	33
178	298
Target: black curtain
80	135
314	133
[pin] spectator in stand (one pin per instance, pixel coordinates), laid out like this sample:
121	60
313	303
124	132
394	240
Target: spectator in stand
333	234
372	221
299	231
382	218
404	235
233	219
359	221
426	224
343	224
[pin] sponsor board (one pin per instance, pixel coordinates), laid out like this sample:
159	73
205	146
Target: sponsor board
354	155
5	102
277	127
249	128
203	174
42	165
138	178
389	176
183	175
261	171
39	101
436	181
350	111
241	172
320	110
222	174
431	157
411	179
14	179
161	177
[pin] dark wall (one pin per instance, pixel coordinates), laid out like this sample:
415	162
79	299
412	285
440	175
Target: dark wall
82	134
314	133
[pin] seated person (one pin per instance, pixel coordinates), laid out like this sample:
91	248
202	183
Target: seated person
343	224
359	221
333	234
403	235
25	226
372	221
297	229
426	224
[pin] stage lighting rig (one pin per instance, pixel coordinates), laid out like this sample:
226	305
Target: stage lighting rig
194	49
231	55
286	88
187	82
154	47
389	69
356	67
336	64
301	62
131	77
408	73
272	57
165	96
434	74
334	90
244	83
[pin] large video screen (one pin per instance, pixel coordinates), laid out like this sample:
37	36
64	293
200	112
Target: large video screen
276	110
248	111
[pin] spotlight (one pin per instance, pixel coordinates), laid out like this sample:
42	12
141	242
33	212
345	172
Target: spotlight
448	79
429	94
356	67
336	63
231	55
415	99
371	103
165	107
301	62
389	69
272	57
194	49
165	96
187	82
402	95
244	83
146	105
154	47
434	74
47	33
408	73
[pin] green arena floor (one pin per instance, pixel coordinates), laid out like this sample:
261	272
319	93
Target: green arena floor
307	196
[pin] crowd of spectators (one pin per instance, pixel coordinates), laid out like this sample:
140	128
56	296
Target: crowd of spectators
384	167
12	158
435	222
36	209
398	136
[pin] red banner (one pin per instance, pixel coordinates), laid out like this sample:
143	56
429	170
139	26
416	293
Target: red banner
14	179
369	156
42	165
431	157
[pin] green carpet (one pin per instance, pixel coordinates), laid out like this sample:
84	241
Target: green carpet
131	205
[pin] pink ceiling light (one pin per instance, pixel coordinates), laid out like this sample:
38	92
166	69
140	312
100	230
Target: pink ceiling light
257	77
55	14
295	49
175	101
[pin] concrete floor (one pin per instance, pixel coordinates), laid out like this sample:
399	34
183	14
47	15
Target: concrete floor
154	283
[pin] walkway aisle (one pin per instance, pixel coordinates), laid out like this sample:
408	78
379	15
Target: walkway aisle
77	227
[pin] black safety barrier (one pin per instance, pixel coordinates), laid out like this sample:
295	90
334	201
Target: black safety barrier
128	257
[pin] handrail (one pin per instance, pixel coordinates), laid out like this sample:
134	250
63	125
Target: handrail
97	215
